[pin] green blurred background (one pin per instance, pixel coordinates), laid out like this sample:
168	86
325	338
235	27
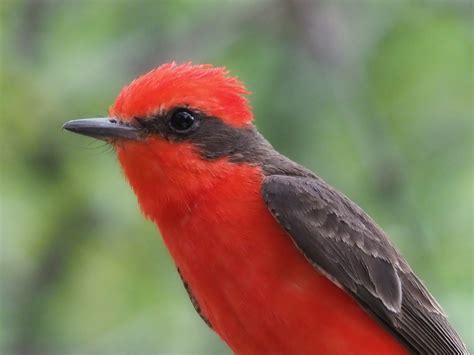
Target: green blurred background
376	96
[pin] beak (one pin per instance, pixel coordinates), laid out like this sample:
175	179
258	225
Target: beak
104	129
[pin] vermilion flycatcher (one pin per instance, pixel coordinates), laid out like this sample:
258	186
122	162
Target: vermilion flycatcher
275	260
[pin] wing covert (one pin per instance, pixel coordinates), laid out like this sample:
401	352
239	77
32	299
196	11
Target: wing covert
345	244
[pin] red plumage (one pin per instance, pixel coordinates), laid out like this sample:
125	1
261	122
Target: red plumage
202	87
257	290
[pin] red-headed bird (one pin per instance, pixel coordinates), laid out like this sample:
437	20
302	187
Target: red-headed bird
274	259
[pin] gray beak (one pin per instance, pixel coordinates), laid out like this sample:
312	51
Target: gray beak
104	129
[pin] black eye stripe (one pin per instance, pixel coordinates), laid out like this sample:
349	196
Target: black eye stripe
142	123
149	126
213	138
176	124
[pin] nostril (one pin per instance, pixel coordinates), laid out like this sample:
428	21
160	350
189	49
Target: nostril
113	120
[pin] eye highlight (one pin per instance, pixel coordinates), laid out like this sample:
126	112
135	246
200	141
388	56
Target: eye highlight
182	121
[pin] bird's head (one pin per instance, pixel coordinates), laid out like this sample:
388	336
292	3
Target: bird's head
176	130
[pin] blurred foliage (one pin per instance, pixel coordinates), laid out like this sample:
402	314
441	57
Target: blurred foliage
377	97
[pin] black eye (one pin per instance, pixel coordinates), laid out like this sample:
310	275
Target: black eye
182	121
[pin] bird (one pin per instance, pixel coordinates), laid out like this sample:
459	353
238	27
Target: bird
274	259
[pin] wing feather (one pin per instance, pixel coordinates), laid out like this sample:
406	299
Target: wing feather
343	242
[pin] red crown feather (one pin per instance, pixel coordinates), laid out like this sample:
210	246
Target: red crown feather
203	87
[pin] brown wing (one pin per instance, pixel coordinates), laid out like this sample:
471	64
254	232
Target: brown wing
340	240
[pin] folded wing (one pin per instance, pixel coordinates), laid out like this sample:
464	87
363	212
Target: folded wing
346	245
